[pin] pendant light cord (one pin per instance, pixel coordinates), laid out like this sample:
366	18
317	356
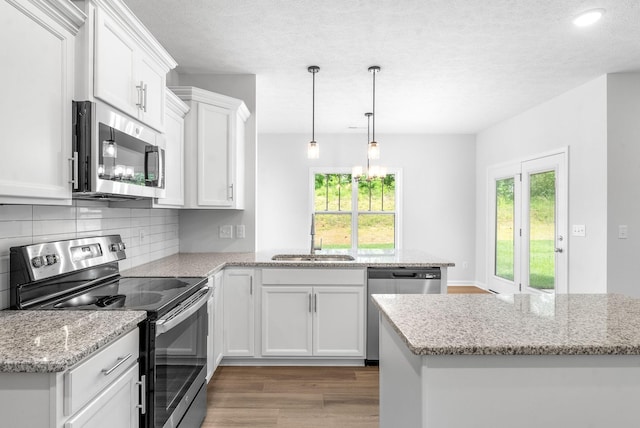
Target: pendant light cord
313	109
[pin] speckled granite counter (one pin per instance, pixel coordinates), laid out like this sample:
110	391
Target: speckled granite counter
527	324
203	264
499	361
52	341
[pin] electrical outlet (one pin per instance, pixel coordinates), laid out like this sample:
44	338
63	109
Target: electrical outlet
465	265
623	231
141	234
226	232
579	230
240	231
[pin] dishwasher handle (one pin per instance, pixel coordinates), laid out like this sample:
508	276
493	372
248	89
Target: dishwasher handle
404	275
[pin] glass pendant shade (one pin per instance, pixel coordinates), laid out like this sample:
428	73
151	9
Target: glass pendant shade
109	149
313	151
373	151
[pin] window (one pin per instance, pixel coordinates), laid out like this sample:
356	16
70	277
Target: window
355	215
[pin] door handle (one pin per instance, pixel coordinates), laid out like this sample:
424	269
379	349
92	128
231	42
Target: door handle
558	250
143	394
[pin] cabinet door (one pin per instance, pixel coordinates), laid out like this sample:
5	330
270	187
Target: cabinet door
114	407
238	310
35	106
115	55
152	80
174	161
338	328
286	321
214	186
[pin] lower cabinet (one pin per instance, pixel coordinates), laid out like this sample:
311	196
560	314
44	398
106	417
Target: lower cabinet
313	320
325	321
113	407
101	391
238	297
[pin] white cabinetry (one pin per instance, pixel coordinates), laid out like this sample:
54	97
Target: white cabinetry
238	309
124	64
102	390
214	338
38	71
174	153
214	149
313	312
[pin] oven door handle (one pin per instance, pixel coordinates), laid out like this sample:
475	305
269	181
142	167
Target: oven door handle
183	312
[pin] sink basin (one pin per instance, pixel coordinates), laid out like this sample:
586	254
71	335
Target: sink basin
313	257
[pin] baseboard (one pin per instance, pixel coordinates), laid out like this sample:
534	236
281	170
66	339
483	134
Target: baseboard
345	362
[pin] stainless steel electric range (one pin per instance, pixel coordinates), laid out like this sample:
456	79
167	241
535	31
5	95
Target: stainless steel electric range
83	274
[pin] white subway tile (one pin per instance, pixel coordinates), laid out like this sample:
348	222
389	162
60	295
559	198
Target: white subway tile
49	212
53	227
87	225
156	220
15	228
117	213
4	281
55	237
139	221
15	212
140	212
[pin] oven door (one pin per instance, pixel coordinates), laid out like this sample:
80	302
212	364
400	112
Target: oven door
181	361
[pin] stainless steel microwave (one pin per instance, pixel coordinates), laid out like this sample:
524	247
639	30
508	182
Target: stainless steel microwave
114	156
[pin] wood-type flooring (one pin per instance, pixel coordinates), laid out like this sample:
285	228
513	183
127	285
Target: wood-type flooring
341	397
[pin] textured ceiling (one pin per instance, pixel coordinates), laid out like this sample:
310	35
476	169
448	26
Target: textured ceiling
448	66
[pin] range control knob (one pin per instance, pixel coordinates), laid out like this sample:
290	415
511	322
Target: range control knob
37	262
121	245
52	259
113	247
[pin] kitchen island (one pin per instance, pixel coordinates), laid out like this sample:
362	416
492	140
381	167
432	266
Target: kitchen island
499	361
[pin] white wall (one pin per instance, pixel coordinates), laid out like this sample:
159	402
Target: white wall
29	224
577	119
438	176
623	186
199	228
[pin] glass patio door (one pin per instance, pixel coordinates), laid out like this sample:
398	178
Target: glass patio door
528	222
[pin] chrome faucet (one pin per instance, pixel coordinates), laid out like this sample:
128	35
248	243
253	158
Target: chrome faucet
313	236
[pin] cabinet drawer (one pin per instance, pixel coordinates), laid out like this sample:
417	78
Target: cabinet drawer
89	377
313	276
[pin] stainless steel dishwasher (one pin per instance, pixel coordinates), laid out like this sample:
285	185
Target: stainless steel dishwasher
395	281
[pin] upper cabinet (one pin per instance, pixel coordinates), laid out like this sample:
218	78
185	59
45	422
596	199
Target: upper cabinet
174	153
214	149
38	71
123	63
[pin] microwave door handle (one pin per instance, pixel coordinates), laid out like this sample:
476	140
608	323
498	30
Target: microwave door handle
156	165
163	325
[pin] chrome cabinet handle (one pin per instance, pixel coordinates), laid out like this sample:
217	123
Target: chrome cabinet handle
231	188
73	161
120	362
309	302
144	98
143	394
140	100
315	303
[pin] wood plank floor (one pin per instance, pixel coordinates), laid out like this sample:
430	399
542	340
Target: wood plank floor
466	289
293	397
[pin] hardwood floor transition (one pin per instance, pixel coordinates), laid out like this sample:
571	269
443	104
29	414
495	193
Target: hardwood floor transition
343	397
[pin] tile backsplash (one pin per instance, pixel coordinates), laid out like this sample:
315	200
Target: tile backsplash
149	234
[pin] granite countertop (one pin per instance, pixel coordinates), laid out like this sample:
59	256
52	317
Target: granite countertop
53	341
526	324
203	264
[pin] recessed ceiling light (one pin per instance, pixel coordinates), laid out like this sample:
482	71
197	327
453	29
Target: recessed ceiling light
587	18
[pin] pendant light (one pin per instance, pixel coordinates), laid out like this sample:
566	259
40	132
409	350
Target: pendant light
359	172
313	151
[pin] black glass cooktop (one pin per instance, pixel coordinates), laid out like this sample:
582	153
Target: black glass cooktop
151	294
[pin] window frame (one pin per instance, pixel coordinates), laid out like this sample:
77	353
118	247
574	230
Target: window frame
397	212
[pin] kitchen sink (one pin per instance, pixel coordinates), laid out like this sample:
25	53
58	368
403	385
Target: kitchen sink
313	257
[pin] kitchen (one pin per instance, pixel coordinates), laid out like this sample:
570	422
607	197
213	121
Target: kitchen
579	116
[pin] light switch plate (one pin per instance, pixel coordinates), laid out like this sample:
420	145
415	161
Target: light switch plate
226	231
240	231
579	230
